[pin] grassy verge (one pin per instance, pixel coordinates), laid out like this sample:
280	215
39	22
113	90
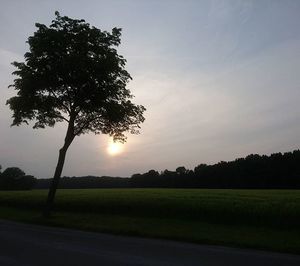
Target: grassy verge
242	218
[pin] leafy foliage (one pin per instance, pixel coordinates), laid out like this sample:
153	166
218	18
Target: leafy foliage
73	73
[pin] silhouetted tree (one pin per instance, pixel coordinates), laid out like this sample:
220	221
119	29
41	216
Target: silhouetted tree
181	170
13	178
12	172
73	73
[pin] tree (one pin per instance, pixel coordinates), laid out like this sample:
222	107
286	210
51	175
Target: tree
9	178
73	73
13	178
181	170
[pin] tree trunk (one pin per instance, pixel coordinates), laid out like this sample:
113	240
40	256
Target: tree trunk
59	167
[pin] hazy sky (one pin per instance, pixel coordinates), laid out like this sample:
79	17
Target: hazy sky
219	79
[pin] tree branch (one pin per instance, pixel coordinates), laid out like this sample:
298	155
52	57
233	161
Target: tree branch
63	118
63	105
85	125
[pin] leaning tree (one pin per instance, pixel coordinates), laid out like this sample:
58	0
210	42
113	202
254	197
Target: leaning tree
73	73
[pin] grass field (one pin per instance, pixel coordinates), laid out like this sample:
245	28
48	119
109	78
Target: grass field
264	219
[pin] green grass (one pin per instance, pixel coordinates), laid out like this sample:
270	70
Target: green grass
264	219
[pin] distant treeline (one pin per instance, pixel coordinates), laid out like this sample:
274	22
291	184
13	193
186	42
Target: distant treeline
255	171
87	182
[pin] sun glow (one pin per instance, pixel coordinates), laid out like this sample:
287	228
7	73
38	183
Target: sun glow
114	148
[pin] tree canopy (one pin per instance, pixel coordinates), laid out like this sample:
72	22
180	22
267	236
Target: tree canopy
73	73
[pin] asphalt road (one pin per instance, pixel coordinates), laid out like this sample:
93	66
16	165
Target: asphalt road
23	244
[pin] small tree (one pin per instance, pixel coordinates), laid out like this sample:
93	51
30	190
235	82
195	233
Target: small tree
10	178
73	73
13	178
181	170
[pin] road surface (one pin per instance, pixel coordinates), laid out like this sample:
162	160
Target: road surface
30	245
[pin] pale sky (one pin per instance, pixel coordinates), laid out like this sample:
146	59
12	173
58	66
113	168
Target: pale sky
220	80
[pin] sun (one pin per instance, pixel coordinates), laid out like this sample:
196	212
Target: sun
114	148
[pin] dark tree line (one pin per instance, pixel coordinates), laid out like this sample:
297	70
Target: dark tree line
254	171
87	182
13	178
